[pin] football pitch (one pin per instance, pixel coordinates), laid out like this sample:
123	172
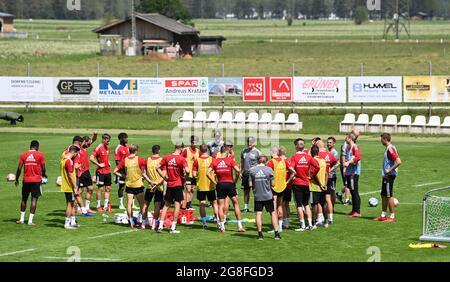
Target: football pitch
425	166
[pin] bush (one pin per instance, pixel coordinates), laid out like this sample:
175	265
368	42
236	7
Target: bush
361	15
290	21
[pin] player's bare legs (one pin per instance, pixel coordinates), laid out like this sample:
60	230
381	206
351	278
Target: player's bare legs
237	213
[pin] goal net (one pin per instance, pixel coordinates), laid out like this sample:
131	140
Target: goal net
436	215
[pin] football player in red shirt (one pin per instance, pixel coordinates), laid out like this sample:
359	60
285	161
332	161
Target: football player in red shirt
224	166
33	164
173	169
100	157
302	165
122	151
84	175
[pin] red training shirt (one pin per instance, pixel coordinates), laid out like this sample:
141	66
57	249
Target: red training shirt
32	161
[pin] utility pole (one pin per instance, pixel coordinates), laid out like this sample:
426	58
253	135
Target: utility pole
133	30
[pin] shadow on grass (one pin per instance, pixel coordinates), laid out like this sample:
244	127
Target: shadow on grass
55	223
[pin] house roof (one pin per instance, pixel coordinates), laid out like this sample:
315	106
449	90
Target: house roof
5	15
158	20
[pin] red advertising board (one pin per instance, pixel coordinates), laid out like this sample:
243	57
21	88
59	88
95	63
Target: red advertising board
281	89
254	89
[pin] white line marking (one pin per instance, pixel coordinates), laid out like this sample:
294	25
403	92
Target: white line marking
113	234
428	184
369	193
18	252
93	259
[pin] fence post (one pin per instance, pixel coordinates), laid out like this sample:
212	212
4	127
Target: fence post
28	104
362	108
362	69
98	75
223	96
430	68
293	75
157	70
430	109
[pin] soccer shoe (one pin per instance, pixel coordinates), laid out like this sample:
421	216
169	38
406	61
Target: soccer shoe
122	207
330	222
90	211
141	226
160	230
380	218
174	232
339	198
355	214
100	209
241	230
109	208
311	228
87	214
350	213
348	203
273	231
390	219
301	229
260	237
277	237
75	225
245	210
325	225
19	222
69	227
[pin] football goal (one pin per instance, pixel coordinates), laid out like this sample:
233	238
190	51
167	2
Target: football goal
436	215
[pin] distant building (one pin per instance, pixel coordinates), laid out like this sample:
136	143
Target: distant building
151	27
6	22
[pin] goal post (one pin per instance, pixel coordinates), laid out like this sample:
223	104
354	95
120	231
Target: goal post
436	215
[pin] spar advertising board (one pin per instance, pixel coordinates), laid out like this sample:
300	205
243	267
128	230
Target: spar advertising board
280	89
131	90
375	89
79	89
26	89
427	88
254	89
186	90
320	89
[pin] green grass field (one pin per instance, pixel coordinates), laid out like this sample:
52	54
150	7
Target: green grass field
324	48
347	240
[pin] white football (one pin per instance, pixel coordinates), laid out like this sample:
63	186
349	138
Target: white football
10	177
396	202
373	202
59	181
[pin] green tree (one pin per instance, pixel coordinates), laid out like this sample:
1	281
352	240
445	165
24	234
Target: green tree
361	14
170	8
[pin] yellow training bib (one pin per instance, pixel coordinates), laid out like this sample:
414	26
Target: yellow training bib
314	186
280	171
152	173
133	177
203	182
66	185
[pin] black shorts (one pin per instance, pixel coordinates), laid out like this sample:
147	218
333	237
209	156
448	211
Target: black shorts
278	194
331	186
70	197
174	194
103	180
352	181
134	191
211	195
245	184
318	198
158	195
287	195
226	189
301	195
387	187
85	179
191	181
268	205
33	188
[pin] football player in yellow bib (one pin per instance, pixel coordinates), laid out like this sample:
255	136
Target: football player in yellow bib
279	165
206	189
318	187
135	171
69	185
190	154
155	188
